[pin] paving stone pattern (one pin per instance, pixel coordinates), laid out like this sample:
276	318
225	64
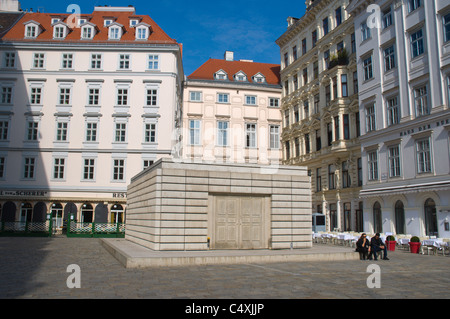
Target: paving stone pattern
37	268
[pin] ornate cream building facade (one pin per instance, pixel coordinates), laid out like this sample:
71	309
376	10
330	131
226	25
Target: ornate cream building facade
87	102
320	109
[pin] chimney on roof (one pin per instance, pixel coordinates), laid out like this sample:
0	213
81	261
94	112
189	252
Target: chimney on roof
229	55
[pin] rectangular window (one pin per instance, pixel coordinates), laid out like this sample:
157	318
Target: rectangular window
325	26
346	126
414	4
38	60
338	15
250	132
344	86
32	131
336	128
29	167
373	165
314	38
10	60
368	68
387	17
365	32
195	96
389	58
327	95
296	114
357	124
305	76
222	133
423	150
393	111
329	134
64	96
121	132
31	31
122	96
152	97
326	59
223	98
394	161
316	70
417	45
2	167
274	137
360	174
355	82
4	125
124	61
287	146
307	144
318	140
67	61
421	101
94	96
318	180
6	95
331	180
96	61
305	109
119	169
36	94
274	102
89	169
91	132
294	52
370	118
250	99
153	62
353	42
150	133
58	168
194	132
304	48
61	131
346	182
286	118
446	21
297	150
316	104
58	33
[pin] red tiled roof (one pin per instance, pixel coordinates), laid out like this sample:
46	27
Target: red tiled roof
97	17
206	72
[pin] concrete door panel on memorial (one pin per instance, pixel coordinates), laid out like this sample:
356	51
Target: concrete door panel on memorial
240	223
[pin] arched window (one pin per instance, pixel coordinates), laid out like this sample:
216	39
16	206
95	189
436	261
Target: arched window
87	213
400	217
377	218
117	213
431	228
57	213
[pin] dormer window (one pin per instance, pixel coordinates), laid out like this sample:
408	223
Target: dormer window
240	77
87	31
81	21
55	20
60	30
32	29
115	31
107	22
259	78
142	31
133	22
220	75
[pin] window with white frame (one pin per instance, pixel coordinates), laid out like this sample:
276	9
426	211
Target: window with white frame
31	31
220	75
9	60
59	32
67	61
152	96
423	151
372	161
274	102
38	60
59	167
387	17
36	91
120	133
89	169
4	129
365	32
223	98
250	134
194	132
124	61
370	118
368	68
195	96
414	4
150	133
141	33
87	32
96	61
222	133
417	44
6	94
93	95
91	132
115	33
122	96
446	22
29	167
32	130
65	95
61	131
394	160
274	136
153	62
421	101
118	169
389	58
250	99
393	111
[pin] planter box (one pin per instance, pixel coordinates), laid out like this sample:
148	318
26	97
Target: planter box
391	245
414	247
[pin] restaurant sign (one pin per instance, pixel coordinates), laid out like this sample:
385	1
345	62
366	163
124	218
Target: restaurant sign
23	193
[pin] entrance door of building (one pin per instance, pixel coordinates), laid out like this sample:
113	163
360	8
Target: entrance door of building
240	222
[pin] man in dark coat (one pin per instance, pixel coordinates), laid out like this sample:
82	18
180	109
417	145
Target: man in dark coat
363	247
377	244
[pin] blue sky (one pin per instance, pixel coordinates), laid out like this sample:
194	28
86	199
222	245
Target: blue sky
206	28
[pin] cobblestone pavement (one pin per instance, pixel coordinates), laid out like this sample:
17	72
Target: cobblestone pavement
37	268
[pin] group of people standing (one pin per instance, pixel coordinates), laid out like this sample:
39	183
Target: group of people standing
367	248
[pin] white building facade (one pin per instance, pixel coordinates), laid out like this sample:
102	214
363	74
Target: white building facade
87	102
403	50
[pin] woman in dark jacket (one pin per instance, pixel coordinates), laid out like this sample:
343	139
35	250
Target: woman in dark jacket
363	247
